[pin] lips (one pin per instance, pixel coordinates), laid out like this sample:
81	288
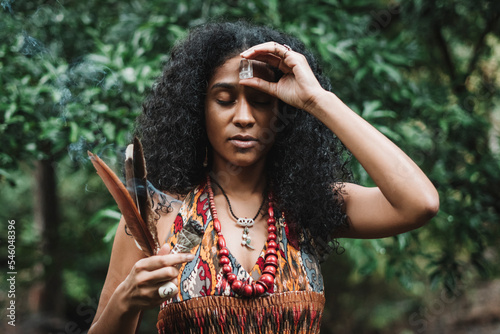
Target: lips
243	141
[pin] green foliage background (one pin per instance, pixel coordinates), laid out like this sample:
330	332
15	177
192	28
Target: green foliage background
425	73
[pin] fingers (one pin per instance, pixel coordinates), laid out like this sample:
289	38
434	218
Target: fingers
153	280
150	274
160	268
276	55
270	53
168	290
273	48
164	250
262	85
162	275
160	261
297	86
268	59
144	296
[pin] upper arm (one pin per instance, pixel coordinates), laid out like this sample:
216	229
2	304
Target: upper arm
371	215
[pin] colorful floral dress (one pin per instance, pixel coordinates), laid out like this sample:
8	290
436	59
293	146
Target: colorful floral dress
205	302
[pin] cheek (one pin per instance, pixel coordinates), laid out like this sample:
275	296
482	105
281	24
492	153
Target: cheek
271	123
211	130
267	136
268	131
214	127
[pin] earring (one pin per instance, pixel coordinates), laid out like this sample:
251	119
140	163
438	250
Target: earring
205	162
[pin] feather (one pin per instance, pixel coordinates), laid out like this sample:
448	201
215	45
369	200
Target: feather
137	185
129	174
135	169
135	222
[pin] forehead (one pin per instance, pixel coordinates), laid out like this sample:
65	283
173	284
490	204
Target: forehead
229	71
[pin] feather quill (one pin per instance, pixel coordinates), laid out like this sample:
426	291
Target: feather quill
138	227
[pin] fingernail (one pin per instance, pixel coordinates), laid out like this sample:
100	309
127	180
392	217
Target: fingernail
190	257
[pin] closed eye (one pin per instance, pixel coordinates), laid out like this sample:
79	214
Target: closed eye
258	98
262	102
225	102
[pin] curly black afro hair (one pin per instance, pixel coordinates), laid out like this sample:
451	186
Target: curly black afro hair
305	162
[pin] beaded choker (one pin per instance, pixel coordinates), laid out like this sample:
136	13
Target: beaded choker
266	281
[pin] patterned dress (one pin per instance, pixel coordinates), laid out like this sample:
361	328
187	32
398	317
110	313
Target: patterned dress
205	302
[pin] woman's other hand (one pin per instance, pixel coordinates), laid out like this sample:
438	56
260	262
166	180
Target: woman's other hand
140	288
132	283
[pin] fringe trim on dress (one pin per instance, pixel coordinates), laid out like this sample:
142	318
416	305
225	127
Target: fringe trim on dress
288	312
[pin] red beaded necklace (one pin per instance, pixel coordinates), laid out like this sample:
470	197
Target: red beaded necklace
266	281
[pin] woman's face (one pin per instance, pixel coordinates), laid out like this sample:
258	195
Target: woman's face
239	120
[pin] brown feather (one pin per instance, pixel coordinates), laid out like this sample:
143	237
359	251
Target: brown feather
140	189
130	175
127	206
140	173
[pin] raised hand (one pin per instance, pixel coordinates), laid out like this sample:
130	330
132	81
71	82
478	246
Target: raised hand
298	87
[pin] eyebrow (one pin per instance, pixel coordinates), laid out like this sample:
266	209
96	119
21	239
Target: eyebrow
223	85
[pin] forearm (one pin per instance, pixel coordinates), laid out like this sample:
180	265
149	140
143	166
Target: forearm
116	318
401	181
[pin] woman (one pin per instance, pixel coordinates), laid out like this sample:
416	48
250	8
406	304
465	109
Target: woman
269	147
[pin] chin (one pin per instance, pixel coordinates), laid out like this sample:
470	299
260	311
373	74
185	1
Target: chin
245	161
242	159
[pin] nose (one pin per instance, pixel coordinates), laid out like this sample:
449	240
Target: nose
243	116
